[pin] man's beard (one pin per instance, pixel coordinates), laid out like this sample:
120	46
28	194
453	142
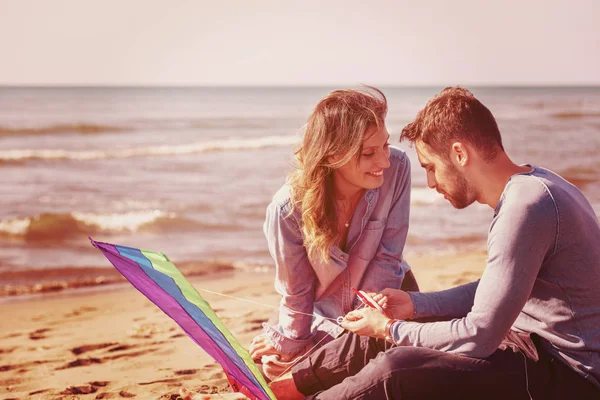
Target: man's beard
460	194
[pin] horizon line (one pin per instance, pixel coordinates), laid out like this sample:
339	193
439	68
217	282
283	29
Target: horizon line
289	86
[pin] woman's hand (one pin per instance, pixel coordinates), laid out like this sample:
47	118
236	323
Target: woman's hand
395	302
366	322
261	346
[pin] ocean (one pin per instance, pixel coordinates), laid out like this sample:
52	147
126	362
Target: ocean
190	171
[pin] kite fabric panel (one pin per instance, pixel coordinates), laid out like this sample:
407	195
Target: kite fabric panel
154	275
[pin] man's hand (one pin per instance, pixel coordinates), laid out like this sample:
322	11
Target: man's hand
397	303
366	322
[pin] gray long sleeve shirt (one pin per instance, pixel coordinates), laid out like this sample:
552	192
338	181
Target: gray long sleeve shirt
542	276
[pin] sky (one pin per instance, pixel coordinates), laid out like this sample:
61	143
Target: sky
296	43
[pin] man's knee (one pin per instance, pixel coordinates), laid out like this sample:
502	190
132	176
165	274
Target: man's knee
404	358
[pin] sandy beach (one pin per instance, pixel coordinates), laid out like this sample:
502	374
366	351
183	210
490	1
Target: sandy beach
112	342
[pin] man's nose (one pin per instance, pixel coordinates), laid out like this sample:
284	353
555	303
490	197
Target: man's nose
431	180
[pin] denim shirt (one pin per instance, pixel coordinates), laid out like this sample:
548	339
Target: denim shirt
373	261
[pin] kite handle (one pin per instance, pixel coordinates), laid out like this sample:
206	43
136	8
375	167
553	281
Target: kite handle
368	301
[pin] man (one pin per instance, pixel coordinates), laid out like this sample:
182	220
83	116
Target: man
529	328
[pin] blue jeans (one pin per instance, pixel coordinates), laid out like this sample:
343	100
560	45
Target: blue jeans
354	367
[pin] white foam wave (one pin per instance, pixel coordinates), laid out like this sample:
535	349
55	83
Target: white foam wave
164	150
424	196
116	222
130	221
15	227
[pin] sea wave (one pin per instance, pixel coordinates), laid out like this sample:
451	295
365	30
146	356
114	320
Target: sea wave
581	176
575	114
37	281
423	196
149	151
82	129
427	244
60	227
244	122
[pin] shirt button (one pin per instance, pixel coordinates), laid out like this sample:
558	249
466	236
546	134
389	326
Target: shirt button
343	257
345	284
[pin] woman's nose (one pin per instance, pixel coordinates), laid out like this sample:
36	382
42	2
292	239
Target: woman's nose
384	160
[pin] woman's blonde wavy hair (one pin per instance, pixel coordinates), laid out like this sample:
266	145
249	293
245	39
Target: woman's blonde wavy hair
336	127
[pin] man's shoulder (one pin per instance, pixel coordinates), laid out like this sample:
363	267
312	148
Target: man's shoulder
529	194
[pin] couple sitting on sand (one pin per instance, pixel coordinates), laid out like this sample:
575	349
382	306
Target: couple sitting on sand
529	328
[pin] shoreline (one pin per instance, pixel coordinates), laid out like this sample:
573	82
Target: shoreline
32	283
116	343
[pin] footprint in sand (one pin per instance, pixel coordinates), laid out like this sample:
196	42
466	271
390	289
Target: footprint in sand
10	382
39	391
145	331
133	354
7	350
122	347
79	311
80	362
253	325
87	389
90	347
21	367
186	372
167	380
39	334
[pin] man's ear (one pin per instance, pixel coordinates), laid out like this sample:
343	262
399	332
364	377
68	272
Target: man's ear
460	153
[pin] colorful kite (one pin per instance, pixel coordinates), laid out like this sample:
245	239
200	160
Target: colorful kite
159	280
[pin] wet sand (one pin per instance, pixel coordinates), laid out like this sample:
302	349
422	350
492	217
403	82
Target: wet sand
114	343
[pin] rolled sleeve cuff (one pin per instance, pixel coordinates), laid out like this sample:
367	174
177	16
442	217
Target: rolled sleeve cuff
423	304
398	336
283	343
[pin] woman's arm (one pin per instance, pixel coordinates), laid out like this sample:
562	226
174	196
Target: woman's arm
294	280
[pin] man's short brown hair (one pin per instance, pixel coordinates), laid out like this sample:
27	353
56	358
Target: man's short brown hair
455	114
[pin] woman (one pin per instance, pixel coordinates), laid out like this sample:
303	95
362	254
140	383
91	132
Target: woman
340	222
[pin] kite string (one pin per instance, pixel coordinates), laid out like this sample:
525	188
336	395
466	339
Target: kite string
311	349
263	304
296	361
300	358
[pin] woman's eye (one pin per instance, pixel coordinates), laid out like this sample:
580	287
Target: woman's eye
367	154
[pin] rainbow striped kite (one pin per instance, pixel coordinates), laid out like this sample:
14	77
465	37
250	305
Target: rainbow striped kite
159	280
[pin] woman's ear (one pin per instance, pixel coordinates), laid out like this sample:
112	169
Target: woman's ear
334	159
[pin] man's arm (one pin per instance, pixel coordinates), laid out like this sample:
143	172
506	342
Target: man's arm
521	236
450	303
